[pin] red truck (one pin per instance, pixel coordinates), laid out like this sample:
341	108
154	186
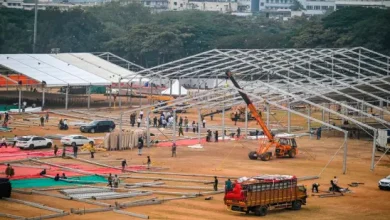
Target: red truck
266	192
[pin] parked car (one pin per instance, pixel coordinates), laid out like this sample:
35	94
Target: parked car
76	140
31	142
98	126
384	183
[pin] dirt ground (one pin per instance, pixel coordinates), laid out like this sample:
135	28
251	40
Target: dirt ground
230	158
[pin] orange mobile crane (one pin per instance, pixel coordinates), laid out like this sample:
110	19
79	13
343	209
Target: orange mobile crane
285	147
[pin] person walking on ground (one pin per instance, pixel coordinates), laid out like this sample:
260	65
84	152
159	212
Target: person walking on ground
174	149
92	151
236	116
140	145
257	134
149	162
55	150
197	127
186	123
211	117
155	121
42	121
3	142
181	131
63	151
204	123
335	180
9	171
215	183
116	181
141	114
6	117
193	126
181	121
75	149
216	136
164	122
319	130
228	185
238	132
138	122
124	164
109	179
15	140
47	117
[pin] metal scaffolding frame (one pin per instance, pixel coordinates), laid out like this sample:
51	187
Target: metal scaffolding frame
352	79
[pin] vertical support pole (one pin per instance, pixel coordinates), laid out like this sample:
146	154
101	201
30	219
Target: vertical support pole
148	129
388	66
35	25
198	84
110	96
170	87
329	113
246	121
345	152
332	70
151	92
131	94
223	120
216	81
120	131
89	96
268	113
179	87
373	150
66	97
288	117
139	92
359	63
199	124
381	106
119	92
43	97
20	99
323	113
174	126
308	120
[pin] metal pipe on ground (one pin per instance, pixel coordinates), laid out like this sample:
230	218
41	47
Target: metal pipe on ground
84	211
177	187
11	216
33	204
56	215
166	179
142	202
177	198
63	167
120	196
131	214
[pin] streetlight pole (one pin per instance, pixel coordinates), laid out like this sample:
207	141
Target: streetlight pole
35	25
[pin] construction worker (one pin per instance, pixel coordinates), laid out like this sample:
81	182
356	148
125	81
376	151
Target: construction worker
138	121
47	117
215	183
3	142
141	114
238	132
216	135
149	162
228	185
116	181
335	180
208	135
63	151
181	131
319	133
124	164
193	126
75	149
236	116
155	121
57	177
180	121
64	176
174	149
55	150
43	172
314	187
257	134
211	117
204	123
186	123
109	179
15	140
140	145
92	150
9	171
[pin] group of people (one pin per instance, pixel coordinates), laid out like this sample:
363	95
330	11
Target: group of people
209	136
334	187
63	124
44	119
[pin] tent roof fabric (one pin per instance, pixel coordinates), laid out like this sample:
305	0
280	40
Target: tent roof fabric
175	89
73	69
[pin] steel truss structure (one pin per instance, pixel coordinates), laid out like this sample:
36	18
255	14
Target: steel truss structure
351	84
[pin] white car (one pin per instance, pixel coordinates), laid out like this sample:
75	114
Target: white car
384	183
76	140
31	142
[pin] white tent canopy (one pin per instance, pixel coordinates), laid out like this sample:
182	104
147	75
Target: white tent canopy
176	89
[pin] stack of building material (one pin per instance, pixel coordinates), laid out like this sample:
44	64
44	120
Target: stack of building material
129	139
99	193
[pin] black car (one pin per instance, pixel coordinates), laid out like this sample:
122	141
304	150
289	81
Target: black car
98	126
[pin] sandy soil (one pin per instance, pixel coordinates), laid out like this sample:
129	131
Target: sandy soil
230	159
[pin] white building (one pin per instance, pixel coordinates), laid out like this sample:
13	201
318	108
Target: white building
244	6
12	3
203	5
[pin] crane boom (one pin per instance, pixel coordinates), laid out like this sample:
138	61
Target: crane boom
251	107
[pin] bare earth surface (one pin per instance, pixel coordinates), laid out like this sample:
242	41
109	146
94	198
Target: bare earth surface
230	158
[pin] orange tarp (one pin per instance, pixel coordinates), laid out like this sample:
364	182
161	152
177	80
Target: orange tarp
25	80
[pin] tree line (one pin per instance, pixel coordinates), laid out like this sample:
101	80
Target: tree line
149	39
